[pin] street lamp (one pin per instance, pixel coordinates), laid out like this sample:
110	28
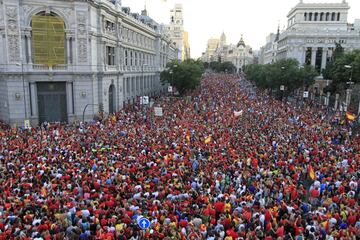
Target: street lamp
172	78
282	87
349	84
23	83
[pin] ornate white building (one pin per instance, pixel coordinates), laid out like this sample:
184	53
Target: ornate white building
59	56
239	54
177	33
313	29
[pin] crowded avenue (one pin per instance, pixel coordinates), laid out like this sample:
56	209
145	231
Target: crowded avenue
226	161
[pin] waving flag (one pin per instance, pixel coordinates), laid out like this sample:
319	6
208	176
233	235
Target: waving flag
311	172
237	114
208	140
350	116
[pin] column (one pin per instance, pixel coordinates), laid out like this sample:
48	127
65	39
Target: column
313	56
69	98
303	56
68	49
323	58
28	37
33	99
336	101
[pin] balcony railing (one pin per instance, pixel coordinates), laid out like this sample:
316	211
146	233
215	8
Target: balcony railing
40	67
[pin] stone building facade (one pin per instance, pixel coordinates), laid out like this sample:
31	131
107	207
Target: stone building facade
177	33
311	34
57	57
239	54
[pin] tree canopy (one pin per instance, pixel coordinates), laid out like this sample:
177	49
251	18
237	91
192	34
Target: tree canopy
184	76
342	69
221	66
286	72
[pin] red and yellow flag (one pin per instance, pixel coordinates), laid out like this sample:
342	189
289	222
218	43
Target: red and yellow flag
208	140
350	116
311	172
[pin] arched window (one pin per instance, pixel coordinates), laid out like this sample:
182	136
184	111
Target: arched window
48	39
333	16
322	16
327	17
310	16
338	16
305	16
316	16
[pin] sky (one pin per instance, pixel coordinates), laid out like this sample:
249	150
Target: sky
204	19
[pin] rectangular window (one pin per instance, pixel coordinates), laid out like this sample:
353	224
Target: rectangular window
110	54
128	85
126	58
110	26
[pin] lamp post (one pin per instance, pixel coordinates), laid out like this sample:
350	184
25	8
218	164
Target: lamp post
90	104
172	78
282	87
23	85
349	84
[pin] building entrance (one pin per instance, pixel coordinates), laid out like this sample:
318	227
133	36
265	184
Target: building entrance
52	102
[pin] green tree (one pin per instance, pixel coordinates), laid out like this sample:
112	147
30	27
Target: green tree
307	74
343	69
331	69
283	72
184	75
227	67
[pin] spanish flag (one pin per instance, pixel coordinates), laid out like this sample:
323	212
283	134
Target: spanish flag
208	140
325	225
311	172
187	136
350	116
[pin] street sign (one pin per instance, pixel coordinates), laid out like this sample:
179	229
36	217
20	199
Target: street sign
170	89
282	88
145	100
306	94
144	223
27	124
158	111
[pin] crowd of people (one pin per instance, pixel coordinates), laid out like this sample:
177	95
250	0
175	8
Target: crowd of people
225	162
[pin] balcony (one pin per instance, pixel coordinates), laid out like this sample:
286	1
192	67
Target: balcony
44	67
111	68
40	67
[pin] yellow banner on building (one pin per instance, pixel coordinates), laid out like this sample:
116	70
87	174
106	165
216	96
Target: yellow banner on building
48	40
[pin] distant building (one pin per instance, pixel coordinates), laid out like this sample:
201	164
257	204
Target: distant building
311	34
177	33
59	56
209	55
269	51
218	50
